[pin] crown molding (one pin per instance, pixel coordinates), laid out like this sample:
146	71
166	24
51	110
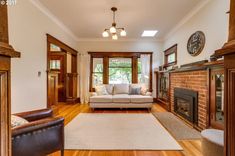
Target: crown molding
45	11
186	18
119	40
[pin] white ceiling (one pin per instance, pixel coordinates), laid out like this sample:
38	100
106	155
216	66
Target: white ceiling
88	18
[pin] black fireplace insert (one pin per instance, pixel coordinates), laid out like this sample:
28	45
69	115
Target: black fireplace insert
186	104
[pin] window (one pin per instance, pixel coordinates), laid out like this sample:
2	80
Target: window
55	64
171	56
54	47
97	75
120	70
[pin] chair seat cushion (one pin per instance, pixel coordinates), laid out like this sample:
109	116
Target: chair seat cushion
141	99
101	98
120	98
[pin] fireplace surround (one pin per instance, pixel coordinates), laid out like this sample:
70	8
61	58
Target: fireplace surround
186	104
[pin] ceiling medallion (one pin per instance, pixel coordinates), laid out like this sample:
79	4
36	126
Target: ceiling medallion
113	31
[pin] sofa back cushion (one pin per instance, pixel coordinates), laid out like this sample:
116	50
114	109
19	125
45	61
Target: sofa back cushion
109	88
121	89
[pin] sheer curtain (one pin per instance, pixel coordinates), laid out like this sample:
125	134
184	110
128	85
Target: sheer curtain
145	69
84	78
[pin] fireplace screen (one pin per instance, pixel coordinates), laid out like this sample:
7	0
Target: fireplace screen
183	107
185	104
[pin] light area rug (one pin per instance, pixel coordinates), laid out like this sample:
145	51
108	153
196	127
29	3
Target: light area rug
112	131
176	127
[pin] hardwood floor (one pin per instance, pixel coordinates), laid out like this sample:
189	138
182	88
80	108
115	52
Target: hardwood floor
191	147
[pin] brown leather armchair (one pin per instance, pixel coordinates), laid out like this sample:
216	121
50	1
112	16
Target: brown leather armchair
44	134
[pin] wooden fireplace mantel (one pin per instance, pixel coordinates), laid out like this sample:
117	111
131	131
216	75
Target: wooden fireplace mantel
6	53
228	51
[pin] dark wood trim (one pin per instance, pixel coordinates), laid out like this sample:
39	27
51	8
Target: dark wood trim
106	70
134	69
62	45
167	52
151	74
68	85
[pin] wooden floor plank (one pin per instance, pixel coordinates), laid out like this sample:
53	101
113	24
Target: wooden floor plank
69	112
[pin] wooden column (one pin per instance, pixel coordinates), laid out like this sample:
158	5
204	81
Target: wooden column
6	53
106	70
151	73
228	51
134	69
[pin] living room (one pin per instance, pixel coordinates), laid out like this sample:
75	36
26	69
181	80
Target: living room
115	77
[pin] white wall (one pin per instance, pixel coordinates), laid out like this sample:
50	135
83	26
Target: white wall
27	32
213	21
125	46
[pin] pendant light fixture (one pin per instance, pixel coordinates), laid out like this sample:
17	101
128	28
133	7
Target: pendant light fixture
113	30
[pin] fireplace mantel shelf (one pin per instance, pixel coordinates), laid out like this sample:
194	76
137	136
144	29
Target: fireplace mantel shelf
203	66
8	51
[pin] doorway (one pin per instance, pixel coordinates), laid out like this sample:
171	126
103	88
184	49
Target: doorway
61	72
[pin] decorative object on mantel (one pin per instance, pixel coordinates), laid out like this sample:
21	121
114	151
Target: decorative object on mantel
215	58
196	43
114	30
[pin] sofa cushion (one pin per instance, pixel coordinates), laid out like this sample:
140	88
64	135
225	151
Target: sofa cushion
121	89
101	98
101	90
109	88
141	99
119	98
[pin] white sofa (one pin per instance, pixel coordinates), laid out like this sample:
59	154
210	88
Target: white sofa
121	96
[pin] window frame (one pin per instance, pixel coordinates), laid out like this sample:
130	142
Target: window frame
169	51
106	55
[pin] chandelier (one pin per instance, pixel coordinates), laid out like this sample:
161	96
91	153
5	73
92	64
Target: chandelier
113	31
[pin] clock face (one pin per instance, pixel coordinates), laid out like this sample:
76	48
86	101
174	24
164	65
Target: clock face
196	43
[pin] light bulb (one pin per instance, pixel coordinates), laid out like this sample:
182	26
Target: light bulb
123	33
112	30
115	37
105	34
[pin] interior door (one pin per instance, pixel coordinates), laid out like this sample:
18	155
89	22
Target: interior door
217	99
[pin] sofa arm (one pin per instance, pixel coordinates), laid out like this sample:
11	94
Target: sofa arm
36	115
40	137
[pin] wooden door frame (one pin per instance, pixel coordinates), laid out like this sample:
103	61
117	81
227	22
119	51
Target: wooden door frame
67	50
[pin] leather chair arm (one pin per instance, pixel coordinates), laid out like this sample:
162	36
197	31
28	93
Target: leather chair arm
38	125
36	115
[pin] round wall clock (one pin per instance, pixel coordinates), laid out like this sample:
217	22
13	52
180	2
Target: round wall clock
196	43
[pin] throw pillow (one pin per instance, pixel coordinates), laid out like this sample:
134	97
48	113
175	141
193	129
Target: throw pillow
17	121
135	90
101	90
109	88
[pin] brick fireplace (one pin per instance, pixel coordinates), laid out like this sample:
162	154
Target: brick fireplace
195	81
